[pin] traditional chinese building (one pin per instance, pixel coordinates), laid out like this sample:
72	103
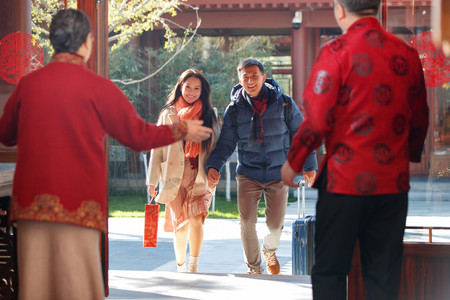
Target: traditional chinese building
302	26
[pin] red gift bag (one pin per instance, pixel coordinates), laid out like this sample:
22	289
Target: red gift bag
151	224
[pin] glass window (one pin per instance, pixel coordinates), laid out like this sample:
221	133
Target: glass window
429	203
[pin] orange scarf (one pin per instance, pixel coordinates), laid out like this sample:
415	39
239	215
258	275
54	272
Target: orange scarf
186	111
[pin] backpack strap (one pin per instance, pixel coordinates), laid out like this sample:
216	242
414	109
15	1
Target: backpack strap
233	114
287	106
287	109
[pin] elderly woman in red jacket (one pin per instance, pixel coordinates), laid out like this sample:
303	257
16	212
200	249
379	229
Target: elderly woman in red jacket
59	117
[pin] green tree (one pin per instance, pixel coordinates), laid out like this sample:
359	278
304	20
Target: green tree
149	95
126	63
126	19
205	54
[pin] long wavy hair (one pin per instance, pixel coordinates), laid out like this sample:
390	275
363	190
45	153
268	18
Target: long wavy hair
208	116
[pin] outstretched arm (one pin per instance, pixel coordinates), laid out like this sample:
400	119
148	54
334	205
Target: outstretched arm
227	141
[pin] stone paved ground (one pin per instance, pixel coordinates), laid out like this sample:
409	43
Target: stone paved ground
150	273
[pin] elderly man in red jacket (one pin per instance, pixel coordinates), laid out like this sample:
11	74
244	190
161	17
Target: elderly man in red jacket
366	97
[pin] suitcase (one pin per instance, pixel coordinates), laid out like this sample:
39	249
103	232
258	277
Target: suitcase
303	229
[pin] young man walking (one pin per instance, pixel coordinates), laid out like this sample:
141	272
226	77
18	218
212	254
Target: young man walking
261	121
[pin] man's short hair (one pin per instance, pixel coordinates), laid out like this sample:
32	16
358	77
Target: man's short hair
245	63
361	7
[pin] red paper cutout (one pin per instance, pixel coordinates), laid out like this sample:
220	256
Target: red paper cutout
436	65
20	54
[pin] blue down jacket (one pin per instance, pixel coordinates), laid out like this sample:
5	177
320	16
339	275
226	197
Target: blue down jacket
261	162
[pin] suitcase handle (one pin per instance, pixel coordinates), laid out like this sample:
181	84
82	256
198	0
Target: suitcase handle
301	183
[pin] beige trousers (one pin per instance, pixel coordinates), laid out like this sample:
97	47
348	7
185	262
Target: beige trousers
249	195
58	261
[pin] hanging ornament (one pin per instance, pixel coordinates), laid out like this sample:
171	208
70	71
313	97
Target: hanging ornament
20	54
435	64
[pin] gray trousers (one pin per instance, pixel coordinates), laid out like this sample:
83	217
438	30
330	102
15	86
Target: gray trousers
249	195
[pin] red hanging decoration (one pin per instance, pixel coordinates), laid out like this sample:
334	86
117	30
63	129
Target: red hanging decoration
435	64
20	54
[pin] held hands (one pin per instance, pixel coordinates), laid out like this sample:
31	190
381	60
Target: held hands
213	178
196	132
152	191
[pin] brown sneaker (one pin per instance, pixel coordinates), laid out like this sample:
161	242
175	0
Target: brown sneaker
273	267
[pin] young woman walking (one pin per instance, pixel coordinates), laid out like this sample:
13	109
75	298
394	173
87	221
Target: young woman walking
179	168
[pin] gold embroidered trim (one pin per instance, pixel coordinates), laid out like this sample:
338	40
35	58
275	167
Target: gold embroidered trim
68	58
48	208
179	130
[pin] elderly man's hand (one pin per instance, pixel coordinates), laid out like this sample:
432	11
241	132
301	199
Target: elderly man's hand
310	176
213	177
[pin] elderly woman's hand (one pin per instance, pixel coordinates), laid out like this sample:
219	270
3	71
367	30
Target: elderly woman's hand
196	132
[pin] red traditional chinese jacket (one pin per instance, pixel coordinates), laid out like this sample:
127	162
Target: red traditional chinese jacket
59	117
366	97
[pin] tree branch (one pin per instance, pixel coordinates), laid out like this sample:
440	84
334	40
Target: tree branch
179	50
161	10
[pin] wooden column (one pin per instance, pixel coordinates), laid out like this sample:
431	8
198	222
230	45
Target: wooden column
384	14
298	56
97	11
15	15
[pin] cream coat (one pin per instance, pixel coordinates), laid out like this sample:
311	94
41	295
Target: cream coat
166	164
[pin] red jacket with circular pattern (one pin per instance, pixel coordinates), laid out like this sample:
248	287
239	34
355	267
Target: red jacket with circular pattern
366	98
